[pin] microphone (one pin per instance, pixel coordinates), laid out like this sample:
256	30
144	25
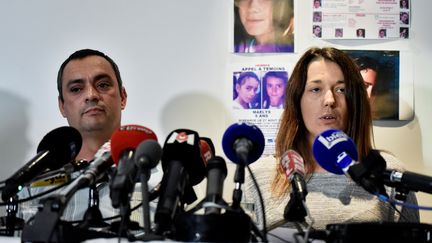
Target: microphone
207	149
123	144
243	143
147	156
58	147
293	166
59	176
183	166
405	180
336	152
216	174
410	180
101	162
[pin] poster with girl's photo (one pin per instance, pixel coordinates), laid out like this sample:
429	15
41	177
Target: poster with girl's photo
258	97
361	19
263	26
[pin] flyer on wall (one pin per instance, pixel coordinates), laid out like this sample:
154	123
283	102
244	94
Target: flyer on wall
258	97
348	19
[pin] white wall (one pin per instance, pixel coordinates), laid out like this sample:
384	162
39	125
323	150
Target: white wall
174	58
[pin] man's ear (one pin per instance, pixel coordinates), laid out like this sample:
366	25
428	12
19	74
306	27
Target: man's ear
123	95
61	106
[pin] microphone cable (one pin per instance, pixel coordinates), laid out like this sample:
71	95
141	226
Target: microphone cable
264	221
403	204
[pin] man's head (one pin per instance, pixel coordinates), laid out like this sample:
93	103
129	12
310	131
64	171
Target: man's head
368	69
91	95
80	54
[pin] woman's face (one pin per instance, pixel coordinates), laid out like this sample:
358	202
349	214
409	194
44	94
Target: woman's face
247	91
323	104
275	90
256	16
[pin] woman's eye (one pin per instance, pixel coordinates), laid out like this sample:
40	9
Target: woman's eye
314	90
341	90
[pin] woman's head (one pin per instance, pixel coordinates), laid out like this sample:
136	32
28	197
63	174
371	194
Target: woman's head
246	87
325	90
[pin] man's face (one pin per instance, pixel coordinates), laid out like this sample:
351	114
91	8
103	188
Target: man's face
369	79
92	99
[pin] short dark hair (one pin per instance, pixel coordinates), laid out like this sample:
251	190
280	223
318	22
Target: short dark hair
365	62
80	54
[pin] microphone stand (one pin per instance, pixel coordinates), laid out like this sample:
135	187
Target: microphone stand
149	235
47	225
295	210
93	216
10	222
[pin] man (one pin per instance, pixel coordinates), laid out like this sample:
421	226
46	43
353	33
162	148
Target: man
369	70
91	98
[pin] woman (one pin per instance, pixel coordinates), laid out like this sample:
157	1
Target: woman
246	88
325	90
263	26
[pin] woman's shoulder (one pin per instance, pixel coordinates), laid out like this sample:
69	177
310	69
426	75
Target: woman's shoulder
266	162
392	161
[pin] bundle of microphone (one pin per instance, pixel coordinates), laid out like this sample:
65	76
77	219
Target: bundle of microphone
186	159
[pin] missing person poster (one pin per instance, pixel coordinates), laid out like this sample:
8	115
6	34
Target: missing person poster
258	97
360	19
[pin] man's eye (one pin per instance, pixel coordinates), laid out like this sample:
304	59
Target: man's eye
75	89
104	85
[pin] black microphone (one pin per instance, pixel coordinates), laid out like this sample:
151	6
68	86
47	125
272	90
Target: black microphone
216	174
183	167
147	156
409	180
58	147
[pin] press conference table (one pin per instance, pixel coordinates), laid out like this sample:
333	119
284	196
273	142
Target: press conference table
285	233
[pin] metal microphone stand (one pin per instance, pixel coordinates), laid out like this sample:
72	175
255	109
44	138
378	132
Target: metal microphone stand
10	222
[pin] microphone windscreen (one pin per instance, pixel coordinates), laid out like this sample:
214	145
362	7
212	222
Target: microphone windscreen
331	144
63	143
292	162
210	144
207	150
183	145
246	131
128	137
151	150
